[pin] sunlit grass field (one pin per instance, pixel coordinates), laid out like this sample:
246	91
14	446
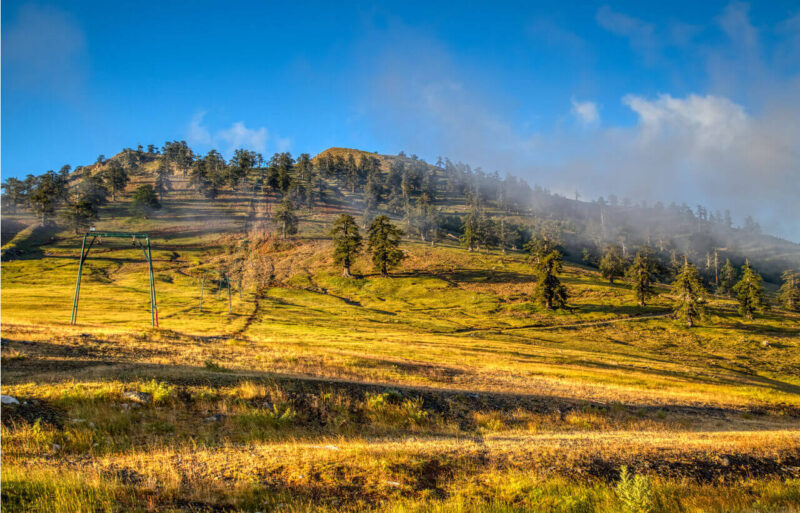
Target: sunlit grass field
440	388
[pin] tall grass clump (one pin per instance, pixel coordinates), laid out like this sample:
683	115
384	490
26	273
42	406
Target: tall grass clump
635	492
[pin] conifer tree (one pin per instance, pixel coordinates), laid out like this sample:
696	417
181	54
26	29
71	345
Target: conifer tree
472	227
545	239
346	242
286	216
144	201
789	294
749	292
384	239
116	177
549	291
612	265
641	274
45	195
80	214
727	278
689	294
92	189
14	191
162	178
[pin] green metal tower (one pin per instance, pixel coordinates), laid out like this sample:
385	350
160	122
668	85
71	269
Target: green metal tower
137	239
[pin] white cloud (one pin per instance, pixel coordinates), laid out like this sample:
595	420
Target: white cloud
239	136
585	112
236	136
708	121
198	134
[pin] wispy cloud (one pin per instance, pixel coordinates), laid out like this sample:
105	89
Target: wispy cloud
585	112
236	136
44	51
239	136
641	35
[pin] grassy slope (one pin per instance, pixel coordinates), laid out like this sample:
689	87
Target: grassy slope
495	399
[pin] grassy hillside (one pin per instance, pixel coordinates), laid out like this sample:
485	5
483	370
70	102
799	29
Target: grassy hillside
440	388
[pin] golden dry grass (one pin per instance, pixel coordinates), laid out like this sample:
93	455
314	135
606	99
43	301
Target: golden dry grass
441	388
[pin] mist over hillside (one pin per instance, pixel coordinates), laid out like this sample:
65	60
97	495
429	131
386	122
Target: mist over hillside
439	200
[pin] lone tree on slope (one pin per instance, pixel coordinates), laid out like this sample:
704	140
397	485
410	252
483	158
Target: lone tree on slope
750	292
727	278
549	291
383	241
642	274
162	178
690	294
285	215
80	214
612	266
116	177
45	196
789	293
346	242
144	201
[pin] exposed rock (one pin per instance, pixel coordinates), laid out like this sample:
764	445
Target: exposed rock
139	397
215	418
7	399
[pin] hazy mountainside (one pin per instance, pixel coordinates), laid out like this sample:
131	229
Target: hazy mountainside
444	199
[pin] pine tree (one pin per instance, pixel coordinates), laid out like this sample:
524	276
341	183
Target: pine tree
612	265
384	239
92	189
286	216
162	178
144	201
45	195
14	191
789	294
545	239
116	177
346	242
727	278
641	274
472	228
749	292
549	291
80	214
689	294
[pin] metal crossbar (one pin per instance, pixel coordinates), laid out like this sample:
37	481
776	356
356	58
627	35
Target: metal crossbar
140	239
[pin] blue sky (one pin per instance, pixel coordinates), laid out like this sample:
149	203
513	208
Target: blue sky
685	101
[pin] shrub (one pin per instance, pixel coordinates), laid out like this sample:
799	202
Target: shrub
386	409
161	391
635	492
279	416
215	367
